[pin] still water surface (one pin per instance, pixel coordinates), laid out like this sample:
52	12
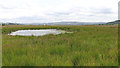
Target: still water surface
40	32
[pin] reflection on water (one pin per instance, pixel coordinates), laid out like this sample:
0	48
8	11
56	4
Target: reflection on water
40	32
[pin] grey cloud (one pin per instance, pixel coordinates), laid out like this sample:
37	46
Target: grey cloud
30	18
99	11
93	11
25	19
14	6
71	14
119	10
33	19
59	13
102	11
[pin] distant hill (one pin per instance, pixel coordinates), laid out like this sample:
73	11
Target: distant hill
58	23
10	24
77	23
113	22
68	23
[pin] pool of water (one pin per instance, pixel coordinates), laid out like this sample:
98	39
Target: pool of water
40	32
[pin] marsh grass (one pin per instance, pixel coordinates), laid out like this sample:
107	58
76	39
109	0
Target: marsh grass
86	46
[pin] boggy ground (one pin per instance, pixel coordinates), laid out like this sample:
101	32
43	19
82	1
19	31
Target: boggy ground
89	45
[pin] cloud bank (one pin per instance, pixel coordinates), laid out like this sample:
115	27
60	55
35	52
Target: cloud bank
45	11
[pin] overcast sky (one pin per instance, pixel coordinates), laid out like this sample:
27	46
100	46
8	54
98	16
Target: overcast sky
44	11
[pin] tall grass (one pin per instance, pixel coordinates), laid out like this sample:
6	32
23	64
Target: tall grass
86	46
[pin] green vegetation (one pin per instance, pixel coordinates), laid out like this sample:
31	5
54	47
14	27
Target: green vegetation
0	46
86	46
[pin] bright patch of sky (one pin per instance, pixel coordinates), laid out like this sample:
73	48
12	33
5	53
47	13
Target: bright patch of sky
44	11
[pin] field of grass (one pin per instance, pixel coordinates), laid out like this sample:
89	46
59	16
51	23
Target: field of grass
87	46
